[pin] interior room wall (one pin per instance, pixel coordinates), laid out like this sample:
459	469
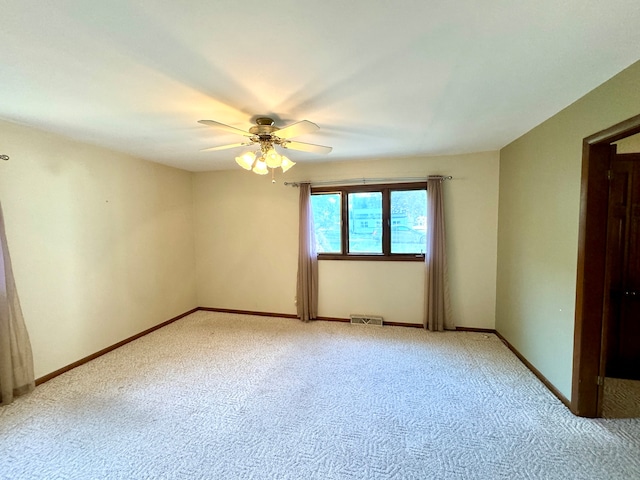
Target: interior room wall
101	243
629	145
246	243
540	176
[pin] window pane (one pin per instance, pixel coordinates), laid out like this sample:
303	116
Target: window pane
365	222
326	220
408	221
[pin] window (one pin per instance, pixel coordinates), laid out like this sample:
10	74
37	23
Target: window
364	219
372	222
327	218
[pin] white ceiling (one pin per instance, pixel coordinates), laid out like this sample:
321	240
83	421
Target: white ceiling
380	78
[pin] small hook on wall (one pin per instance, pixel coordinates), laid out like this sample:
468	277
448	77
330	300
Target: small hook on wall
4	157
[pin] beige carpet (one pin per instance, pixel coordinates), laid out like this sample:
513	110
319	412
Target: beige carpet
219	396
621	398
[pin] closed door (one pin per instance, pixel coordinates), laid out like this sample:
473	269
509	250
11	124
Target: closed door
622	303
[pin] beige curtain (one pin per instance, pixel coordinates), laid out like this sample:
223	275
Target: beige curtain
437	306
16	360
307	290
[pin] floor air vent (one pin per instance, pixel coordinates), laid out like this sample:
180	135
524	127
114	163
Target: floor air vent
366	319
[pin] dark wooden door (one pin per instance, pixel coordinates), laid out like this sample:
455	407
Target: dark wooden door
622	304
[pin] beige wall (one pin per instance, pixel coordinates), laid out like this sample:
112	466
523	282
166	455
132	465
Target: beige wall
629	145
538	226
101	243
246	231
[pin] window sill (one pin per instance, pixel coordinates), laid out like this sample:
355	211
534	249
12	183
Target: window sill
398	257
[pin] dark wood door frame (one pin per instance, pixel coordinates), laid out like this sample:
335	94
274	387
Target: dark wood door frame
592	239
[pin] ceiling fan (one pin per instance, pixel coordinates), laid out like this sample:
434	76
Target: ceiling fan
265	135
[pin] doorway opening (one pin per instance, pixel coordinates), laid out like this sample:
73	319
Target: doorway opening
592	303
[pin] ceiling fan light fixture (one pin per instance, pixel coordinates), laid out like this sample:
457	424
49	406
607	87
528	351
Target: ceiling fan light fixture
260	167
273	159
246	160
266	136
286	164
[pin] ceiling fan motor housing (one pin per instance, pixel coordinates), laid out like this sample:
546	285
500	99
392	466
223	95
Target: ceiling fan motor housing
264	127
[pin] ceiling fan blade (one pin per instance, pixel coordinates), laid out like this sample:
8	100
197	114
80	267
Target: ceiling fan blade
307	147
227	128
295	129
224	147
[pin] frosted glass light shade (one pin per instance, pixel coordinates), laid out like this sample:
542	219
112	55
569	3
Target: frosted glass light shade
246	160
273	159
286	164
261	167
261	163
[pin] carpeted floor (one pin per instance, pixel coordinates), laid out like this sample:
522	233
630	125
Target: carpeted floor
220	396
621	398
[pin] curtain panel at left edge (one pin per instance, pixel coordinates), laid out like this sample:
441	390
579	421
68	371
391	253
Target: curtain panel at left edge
16	357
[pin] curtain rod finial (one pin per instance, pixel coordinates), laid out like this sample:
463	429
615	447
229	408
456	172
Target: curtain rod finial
4	157
442	178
